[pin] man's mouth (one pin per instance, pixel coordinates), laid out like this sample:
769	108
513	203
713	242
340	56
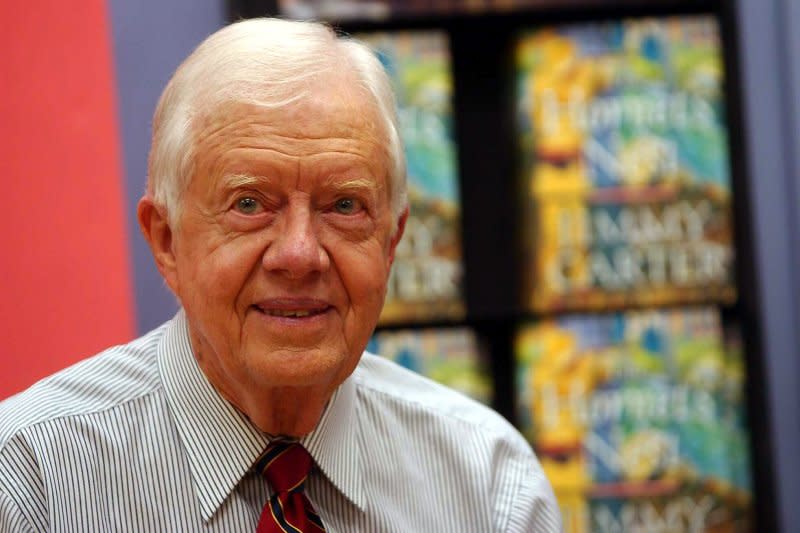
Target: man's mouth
283	309
291	314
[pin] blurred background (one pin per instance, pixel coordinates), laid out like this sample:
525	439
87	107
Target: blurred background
604	234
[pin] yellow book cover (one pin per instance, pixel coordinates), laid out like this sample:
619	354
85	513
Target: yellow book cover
638	420
625	178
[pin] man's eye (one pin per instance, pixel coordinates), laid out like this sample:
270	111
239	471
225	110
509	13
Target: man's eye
247	205
347	206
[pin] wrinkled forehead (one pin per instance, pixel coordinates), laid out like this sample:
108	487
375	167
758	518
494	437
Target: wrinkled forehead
335	104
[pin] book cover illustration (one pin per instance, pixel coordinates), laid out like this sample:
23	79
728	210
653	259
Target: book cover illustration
638	420
626	178
453	357
426	279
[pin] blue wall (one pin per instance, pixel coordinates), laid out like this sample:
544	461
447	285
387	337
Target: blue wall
770	55
151	38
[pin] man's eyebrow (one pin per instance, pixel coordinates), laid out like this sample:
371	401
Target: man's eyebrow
244	180
235	181
351	184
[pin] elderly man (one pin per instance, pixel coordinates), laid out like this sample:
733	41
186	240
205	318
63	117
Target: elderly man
274	205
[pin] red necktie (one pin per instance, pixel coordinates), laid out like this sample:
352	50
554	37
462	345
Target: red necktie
286	466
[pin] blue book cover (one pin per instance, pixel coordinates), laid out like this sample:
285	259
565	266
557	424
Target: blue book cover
426	279
454	357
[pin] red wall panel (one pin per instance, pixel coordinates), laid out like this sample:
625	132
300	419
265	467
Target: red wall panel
65	289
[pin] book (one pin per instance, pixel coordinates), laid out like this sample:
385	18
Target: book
625	165
454	357
638	419
426	279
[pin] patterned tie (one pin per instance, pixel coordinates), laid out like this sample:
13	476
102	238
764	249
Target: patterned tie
286	466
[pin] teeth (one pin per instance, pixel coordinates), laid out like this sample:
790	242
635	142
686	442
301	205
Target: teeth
292	314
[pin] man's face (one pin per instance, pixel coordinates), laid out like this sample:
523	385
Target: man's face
285	241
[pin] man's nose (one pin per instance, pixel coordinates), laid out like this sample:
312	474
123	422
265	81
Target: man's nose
296	251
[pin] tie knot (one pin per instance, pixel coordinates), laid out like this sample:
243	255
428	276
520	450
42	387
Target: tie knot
285	465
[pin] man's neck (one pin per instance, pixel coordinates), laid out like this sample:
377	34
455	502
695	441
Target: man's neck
285	411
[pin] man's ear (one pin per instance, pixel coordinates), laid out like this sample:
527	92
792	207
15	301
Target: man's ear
154	223
398	234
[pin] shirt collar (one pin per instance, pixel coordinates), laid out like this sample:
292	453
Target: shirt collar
334	444
222	444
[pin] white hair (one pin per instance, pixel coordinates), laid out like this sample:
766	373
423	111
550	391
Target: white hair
264	62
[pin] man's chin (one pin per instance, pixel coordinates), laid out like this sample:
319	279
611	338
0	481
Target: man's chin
296	368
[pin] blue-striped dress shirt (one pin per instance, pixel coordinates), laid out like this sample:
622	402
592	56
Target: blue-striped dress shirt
136	439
